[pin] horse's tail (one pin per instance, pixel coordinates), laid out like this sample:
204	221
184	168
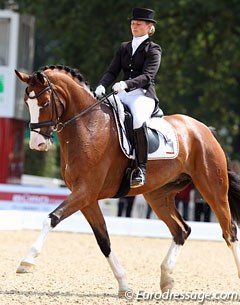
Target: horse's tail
234	188
234	196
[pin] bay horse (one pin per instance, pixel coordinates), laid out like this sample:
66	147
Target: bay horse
93	165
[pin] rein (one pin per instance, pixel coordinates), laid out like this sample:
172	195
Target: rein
57	125
62	125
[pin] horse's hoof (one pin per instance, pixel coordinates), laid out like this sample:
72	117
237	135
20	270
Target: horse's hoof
125	293
25	267
167	286
121	293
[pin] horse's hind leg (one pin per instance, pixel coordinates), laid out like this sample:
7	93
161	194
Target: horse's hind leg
95	218
214	188
221	209
163	204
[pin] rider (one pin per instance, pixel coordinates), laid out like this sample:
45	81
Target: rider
140	60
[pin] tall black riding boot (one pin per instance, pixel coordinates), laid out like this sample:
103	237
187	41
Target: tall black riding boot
141	152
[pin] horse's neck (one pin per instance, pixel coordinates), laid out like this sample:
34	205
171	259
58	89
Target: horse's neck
77	97
84	131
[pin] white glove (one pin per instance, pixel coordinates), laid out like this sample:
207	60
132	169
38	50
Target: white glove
100	91
118	87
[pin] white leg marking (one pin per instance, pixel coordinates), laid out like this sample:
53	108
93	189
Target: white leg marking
29	260
118	272
168	265
236	254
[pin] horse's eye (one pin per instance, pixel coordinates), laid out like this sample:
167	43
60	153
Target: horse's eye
45	105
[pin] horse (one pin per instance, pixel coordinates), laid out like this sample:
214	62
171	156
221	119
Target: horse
92	165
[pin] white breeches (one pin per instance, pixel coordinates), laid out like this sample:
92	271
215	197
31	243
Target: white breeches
140	106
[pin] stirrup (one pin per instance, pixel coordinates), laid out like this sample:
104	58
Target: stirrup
137	178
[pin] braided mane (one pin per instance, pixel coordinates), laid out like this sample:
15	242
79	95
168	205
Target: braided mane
74	72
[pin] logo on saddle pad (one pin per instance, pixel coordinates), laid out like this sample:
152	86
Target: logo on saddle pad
163	142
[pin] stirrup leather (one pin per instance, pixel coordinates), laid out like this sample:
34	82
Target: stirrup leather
137	177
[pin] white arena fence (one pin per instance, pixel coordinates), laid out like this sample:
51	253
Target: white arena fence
25	207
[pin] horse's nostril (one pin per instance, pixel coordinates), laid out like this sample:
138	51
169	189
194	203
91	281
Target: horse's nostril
41	144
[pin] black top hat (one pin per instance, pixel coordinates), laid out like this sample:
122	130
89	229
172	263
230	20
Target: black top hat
145	14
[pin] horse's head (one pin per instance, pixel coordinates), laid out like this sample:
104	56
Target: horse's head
45	108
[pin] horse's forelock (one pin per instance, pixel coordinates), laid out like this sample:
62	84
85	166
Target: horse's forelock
32	80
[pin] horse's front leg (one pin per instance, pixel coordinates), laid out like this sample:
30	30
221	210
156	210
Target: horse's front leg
95	218
28	262
67	208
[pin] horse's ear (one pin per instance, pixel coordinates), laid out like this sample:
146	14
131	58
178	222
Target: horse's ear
40	78
23	76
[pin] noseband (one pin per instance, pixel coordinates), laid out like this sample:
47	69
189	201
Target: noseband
57	125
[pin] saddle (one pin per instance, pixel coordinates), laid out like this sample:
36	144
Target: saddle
162	138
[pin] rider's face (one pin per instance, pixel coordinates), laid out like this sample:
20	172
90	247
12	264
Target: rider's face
140	28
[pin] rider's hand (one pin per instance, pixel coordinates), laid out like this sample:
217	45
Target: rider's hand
118	87
100	91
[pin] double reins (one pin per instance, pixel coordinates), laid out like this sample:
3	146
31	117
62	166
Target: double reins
57	125
83	112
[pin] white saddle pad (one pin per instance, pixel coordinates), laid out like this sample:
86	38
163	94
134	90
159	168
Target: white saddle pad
168	142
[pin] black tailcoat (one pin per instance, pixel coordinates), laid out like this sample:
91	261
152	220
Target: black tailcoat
139	69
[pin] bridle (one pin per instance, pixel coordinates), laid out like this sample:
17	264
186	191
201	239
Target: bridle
57	125
53	95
